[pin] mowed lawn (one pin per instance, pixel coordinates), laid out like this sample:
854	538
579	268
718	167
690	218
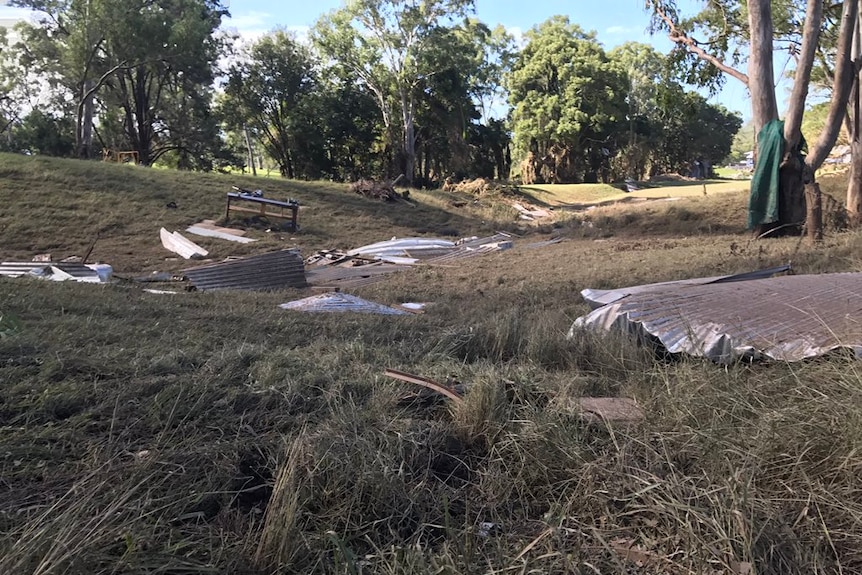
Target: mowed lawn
593	194
214	432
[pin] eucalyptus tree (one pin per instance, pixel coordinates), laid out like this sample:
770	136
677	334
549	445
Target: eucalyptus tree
717	41
131	55
385	45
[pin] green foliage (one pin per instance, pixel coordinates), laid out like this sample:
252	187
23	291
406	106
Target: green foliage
141	60
269	91
41	133
393	47
567	97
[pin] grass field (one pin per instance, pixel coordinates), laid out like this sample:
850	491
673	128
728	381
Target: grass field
216	433
582	195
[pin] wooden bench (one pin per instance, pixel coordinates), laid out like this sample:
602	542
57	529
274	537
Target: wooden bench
247	203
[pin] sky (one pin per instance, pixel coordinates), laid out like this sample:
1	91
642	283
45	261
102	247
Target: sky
614	21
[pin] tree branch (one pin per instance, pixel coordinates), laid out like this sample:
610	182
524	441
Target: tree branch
680	38
845	74
796	105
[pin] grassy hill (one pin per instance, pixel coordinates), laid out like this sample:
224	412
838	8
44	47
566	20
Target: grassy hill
216	433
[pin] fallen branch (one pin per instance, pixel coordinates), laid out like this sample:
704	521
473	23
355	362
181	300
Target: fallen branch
425	382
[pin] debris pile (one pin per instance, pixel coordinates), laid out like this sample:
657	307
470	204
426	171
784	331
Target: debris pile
378	190
369	264
60	271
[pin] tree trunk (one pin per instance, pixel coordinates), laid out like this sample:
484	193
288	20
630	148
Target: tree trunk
761	80
854	186
407	117
854	128
250	150
814	218
85	122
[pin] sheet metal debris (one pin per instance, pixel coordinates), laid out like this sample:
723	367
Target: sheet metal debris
87	273
207	228
337	302
180	245
372	263
265	272
787	318
597	298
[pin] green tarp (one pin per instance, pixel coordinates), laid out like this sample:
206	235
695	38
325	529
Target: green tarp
763	202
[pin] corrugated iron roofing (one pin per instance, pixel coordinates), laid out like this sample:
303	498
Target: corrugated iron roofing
265	272
788	318
597	298
335	275
340	302
76	270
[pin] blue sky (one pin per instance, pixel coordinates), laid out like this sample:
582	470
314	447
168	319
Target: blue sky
614	21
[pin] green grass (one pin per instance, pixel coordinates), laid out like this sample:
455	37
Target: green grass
216	433
583	195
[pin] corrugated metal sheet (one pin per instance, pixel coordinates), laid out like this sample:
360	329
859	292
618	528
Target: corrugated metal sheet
597	298
265	272
787	318
63	271
351	276
338	302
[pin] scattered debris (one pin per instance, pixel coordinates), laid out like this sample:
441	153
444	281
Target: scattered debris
160	277
531	214
207	228
337	302
371	263
610	410
264	272
42	258
161	291
405	247
91	273
449	392
413	307
543	244
177	243
788	318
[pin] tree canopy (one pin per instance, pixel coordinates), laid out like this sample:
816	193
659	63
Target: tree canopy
381	88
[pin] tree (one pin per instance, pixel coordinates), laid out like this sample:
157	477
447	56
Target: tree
568	98
266	91
385	44
132	55
727	39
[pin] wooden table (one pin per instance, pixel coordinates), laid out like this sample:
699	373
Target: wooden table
262	207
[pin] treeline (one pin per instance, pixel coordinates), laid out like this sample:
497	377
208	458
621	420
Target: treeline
378	88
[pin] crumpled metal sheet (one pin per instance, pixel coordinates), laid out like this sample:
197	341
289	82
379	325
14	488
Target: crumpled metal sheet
597	298
787	318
